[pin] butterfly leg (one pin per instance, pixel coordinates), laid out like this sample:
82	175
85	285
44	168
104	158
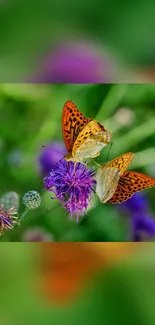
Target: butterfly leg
98	165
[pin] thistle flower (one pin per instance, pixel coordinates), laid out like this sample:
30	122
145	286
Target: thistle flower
32	200
72	183
50	156
7	219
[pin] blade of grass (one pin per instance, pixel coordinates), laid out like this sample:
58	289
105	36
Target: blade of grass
144	158
135	136
112	101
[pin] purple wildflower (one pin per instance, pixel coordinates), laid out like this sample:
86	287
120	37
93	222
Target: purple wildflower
72	184
137	203
142	222
7	219
50	155
76	62
143	227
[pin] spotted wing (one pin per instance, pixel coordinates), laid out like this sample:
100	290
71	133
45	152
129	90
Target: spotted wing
91	140
73	122
121	162
130	183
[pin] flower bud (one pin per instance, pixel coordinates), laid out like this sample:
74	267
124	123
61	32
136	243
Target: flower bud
32	200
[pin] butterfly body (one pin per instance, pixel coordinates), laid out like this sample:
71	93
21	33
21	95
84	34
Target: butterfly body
83	137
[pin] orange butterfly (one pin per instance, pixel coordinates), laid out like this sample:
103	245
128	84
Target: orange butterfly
115	184
83	137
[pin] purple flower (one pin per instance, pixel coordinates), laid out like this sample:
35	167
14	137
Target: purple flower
141	221
72	184
50	155
76	62
137	203
7	219
143	227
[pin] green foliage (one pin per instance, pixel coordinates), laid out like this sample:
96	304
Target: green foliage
28	30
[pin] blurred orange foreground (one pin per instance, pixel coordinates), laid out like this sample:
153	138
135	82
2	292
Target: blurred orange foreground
67	266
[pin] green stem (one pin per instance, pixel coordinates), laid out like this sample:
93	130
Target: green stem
22	217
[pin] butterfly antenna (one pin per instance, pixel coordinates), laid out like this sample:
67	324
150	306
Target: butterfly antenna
94	161
98	165
111	144
63	153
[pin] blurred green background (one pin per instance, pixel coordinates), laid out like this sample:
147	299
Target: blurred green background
29	31
30	117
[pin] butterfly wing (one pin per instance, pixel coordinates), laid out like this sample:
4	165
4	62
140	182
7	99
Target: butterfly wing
107	182
108	176
91	140
121	162
130	183
73	122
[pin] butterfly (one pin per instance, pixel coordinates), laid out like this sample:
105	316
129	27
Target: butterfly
115	184
83	137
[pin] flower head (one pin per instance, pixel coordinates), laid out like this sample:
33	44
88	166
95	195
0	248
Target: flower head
72	183
141	221
143	227
50	155
7	219
76	61
137	203
31	200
